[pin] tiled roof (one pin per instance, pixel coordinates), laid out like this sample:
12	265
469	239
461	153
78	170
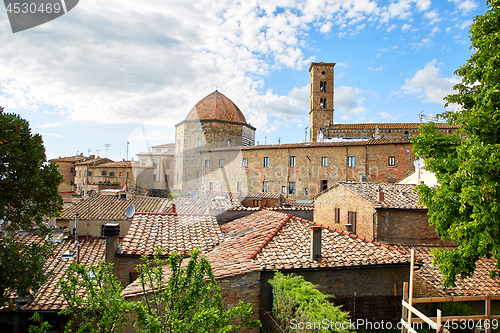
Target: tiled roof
297	204
319	144
171	232
94	161
69	159
47	298
103	207
267	240
216	106
387	126
122	164
398	196
276	240
479	284
217	200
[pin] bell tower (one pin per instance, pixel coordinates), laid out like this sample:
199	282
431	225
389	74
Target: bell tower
321	108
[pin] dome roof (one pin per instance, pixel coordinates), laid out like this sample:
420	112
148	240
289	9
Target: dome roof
216	106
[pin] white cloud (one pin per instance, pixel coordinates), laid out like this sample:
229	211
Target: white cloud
423	4
405	27
433	17
55	124
375	69
429	85
465	5
349	100
390	28
426	42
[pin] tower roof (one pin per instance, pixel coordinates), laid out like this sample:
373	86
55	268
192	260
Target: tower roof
216	106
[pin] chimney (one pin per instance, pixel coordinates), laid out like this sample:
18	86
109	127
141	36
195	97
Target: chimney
174	211
111	232
316	243
380	194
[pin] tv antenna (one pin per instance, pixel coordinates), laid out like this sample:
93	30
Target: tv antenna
279	139
107	145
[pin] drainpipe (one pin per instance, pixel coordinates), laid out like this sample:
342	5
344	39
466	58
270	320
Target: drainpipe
346	161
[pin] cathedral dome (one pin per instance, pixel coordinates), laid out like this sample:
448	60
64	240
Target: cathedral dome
216	106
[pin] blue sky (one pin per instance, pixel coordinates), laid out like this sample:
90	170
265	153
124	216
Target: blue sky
127	71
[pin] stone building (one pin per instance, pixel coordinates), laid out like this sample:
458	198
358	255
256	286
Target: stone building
388	213
215	151
161	159
84	171
213	122
66	168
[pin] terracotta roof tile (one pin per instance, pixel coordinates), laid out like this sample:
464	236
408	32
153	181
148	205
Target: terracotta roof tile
388	126
477	285
69	159
216	106
400	196
104	207
48	297
171	232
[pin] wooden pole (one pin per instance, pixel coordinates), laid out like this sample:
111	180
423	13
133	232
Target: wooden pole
410	296
439	320
487	312
405	298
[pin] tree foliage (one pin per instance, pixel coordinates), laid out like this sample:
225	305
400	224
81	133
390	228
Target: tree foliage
94	299
189	301
28	194
465	207
295	298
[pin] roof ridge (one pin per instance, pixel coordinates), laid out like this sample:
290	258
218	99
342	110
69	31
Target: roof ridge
261	246
351	235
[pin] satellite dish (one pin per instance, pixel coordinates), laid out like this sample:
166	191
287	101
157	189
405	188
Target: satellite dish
130	211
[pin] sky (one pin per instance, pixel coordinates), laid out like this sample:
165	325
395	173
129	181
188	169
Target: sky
111	72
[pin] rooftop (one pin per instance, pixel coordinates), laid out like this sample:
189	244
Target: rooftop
388	126
479	284
216	106
397	196
105	207
170	232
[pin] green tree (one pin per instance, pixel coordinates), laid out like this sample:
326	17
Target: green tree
465	207
28	194
189	301
94	298
296	300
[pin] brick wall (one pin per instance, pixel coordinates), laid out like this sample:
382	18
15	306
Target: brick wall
308	172
124	265
406	226
346	201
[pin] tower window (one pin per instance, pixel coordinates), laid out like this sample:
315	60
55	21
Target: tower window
322	86
323	73
322	103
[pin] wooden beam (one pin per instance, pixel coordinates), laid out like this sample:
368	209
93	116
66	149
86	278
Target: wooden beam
421	315
454	299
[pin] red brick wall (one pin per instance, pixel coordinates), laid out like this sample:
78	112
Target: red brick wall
346	201
124	266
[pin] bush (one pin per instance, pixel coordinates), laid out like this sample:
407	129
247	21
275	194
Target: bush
298	301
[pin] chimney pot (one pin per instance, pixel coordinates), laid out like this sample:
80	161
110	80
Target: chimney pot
380	194
316	243
111	232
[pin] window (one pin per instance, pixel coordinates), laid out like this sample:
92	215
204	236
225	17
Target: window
324	161
392	160
351	219
350	162
143	162
291	188
238	187
167	164
292	161
167	178
337	215
120	174
244	162
283	189
211	186
103	173
322	103
265	186
90	173
198	146
322	85
154	178
79	173
84	173
324	184
221	162
207	163
72	170
256	203
266	162
197	175
112	174
158	150
155	164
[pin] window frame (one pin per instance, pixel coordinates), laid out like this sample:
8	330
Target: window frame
244	162
292	161
324	161
221	162
266	162
265	186
351	161
391	161
291	188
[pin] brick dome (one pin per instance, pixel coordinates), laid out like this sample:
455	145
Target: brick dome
216	106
